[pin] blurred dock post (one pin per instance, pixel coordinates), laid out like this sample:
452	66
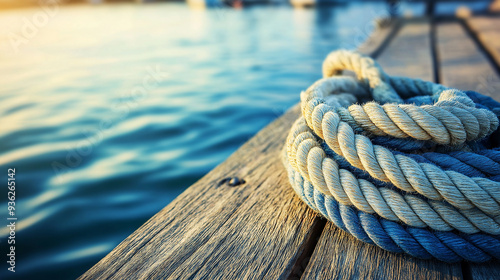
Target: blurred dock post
430	7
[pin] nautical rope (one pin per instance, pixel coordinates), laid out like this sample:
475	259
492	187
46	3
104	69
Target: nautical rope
369	164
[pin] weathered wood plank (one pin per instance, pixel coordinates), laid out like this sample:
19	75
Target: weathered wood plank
223	232
258	230
488	32
379	39
409	53
463	66
340	256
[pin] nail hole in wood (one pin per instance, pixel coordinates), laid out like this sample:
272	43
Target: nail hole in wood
232	181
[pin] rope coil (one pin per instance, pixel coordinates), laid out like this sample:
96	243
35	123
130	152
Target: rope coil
369	165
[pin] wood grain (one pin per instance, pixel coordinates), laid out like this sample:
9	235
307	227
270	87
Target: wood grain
340	256
463	66
223	232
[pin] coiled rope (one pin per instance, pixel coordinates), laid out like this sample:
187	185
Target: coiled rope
368	168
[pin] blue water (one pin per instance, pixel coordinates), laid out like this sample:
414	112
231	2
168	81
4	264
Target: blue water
109	112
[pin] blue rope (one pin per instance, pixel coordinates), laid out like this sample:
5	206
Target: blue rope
394	237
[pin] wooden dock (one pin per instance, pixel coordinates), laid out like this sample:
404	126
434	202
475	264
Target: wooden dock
261	230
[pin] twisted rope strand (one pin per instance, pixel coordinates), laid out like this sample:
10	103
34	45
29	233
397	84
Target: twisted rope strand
392	236
426	179
448	122
325	174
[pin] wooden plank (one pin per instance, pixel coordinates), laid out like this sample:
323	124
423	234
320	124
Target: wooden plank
223	232
488	32
340	256
379	39
256	230
463	66
409	53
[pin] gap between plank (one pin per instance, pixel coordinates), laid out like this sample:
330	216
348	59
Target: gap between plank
466	272
302	261
388	39
436	66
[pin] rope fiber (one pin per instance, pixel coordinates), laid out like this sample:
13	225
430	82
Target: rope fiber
404	164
